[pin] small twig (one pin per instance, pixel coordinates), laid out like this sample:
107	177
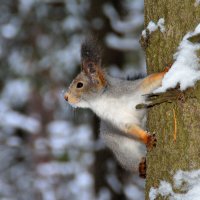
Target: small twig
175	125
158	98
194	38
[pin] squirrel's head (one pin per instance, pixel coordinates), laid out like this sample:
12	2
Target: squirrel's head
91	81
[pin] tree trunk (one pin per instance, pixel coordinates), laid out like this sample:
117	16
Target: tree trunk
175	124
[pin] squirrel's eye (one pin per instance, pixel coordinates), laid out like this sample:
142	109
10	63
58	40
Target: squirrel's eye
79	85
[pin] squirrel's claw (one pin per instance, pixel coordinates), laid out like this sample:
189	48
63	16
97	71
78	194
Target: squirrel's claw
151	142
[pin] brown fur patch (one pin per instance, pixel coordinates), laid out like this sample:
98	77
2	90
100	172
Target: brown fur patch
95	73
101	76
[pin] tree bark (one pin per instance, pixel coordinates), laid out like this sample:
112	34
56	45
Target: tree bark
175	124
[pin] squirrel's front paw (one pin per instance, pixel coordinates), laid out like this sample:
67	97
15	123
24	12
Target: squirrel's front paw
151	142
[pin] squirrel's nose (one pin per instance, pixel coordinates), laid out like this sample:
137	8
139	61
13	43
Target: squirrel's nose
66	97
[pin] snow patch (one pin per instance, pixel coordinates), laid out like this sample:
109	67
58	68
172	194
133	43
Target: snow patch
114	183
16	92
132	192
19	64
72	23
152	26
185	69
119	43
160	24
14	119
197	3
187	182
132	21
9	31
104	194
57	168
25	5
64	135
17	120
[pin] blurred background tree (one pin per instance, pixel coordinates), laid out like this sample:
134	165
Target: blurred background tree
48	151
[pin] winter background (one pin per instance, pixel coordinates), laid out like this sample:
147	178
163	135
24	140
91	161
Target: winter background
49	151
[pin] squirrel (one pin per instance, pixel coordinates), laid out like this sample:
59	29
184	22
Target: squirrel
114	100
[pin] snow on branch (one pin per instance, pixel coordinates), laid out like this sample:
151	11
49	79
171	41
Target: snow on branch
123	44
186	67
14	119
187	182
132	21
152	26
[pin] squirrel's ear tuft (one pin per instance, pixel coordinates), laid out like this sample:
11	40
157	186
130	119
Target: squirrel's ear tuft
91	52
91	61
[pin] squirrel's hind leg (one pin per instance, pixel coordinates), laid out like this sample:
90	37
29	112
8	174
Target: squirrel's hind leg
142	168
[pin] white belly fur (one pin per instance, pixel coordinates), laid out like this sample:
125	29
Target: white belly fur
128	152
120	112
